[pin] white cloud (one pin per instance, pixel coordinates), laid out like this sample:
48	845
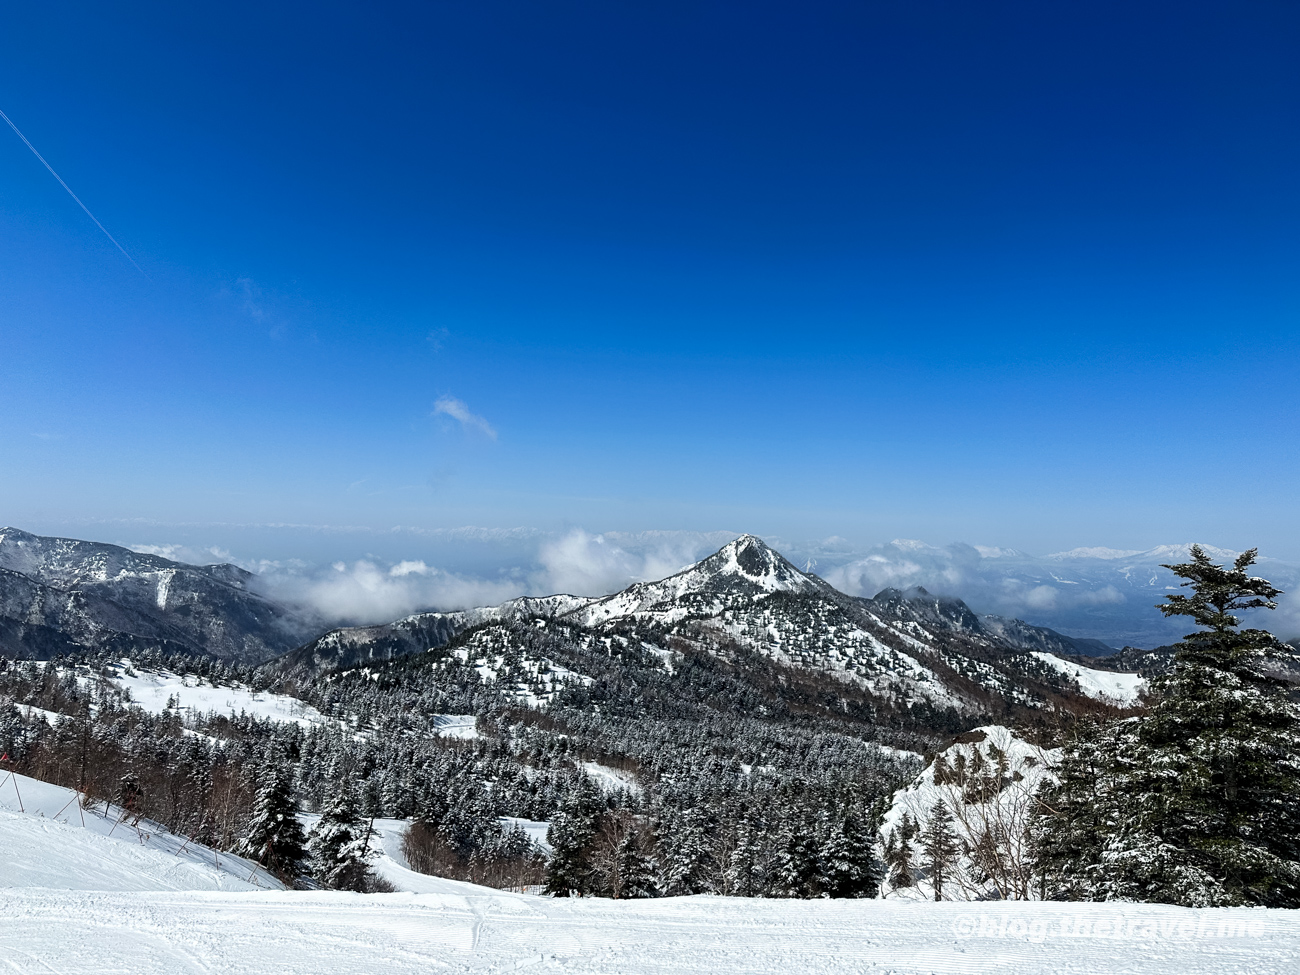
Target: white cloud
593	565
185	553
1042	597
457	410
366	591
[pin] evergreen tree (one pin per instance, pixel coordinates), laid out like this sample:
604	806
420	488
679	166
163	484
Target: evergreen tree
900	858
568	870
338	847
940	847
686	855
1197	802
635	869
794	871
743	875
275	836
848	866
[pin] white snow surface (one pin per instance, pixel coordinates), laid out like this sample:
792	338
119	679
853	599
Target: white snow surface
1104	685
74	901
151	690
611	779
287	933
456	725
48	840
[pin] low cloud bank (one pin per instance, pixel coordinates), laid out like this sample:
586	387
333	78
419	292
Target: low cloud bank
1106	594
372	590
584	564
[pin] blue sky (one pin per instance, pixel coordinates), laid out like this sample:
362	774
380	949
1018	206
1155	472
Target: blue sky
1010	273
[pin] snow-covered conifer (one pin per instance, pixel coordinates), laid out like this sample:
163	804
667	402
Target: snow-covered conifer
939	846
1198	801
275	837
338	848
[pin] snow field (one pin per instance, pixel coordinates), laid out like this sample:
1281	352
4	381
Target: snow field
1104	685
75	932
151	690
75	900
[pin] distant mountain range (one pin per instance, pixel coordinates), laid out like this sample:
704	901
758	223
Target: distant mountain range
1099	593
901	649
907	647
58	595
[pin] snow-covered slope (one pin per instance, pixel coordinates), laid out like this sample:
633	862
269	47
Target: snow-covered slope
60	591
986	780
1104	685
48	840
74	901
155	691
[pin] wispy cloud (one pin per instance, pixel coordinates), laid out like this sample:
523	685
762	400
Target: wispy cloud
250	298
457	410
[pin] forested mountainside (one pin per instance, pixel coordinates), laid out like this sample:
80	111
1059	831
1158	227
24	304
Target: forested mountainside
59	595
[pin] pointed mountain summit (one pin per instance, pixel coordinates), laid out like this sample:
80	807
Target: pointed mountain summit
907	653
746	568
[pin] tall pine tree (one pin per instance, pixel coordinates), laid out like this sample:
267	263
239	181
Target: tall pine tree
939	846
275	837
1197	802
338	846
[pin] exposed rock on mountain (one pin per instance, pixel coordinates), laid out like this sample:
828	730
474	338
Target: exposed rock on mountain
57	594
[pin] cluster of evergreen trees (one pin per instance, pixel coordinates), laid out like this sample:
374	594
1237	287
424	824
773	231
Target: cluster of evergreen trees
760	841
795	819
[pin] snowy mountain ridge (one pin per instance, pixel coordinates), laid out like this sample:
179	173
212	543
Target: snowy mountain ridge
58	593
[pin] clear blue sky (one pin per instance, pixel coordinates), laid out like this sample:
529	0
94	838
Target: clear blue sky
1010	273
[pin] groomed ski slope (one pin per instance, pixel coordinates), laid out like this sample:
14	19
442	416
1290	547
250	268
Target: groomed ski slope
72	932
74	900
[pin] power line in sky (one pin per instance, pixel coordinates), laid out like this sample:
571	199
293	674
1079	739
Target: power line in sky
70	193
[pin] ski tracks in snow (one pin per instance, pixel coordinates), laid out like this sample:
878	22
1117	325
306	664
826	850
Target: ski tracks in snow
301	933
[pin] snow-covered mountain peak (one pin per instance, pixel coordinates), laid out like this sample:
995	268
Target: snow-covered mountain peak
750	557
746	567
92	593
